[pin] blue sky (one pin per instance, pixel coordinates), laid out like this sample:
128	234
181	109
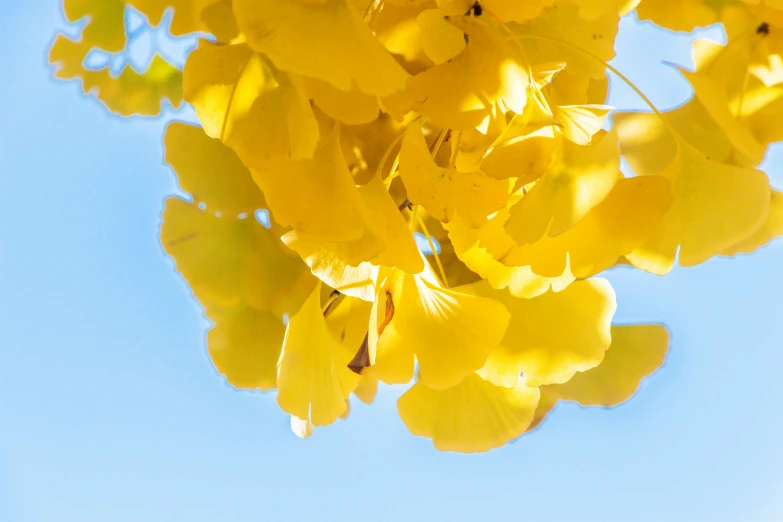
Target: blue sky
111	411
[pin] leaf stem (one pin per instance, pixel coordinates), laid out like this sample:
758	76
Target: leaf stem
230	104
456	145
390	148
372	8
444	133
334	297
434	251
743	93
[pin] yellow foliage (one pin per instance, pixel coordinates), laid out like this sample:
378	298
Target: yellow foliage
368	129
472	416
444	192
636	351
241	99
324	39
131	92
313	376
563	196
127	94
552	336
451	333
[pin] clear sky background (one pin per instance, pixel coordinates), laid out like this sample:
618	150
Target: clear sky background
110	410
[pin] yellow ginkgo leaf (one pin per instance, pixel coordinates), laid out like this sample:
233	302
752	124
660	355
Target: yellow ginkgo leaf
456	271
313	377
486	79
520	280
302	428
333	263
476	143
228	261
516	11
563	22
452	7
440	39
408	3
365	146
772	229
714	206
722	62
537	112
352	108
646	143
503	10
245	345
473	416
325	39
649	147
367	389
353	254
636	352
745	107
386	222
240	98
569	89
218	17
678	15
187	16
773	15
444	192
624	221
526	156
764	49
545	73
348	320
546	403
714	99
579	123
211	172
106	26
326	265
130	92
390	362
567	192
246	281
451	333
347	411
763	122
592	9
552	336
396	27
327	207
760	108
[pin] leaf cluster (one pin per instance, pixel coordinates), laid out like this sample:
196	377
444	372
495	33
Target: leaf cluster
359	124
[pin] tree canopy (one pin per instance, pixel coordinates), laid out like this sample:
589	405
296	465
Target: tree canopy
443	183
